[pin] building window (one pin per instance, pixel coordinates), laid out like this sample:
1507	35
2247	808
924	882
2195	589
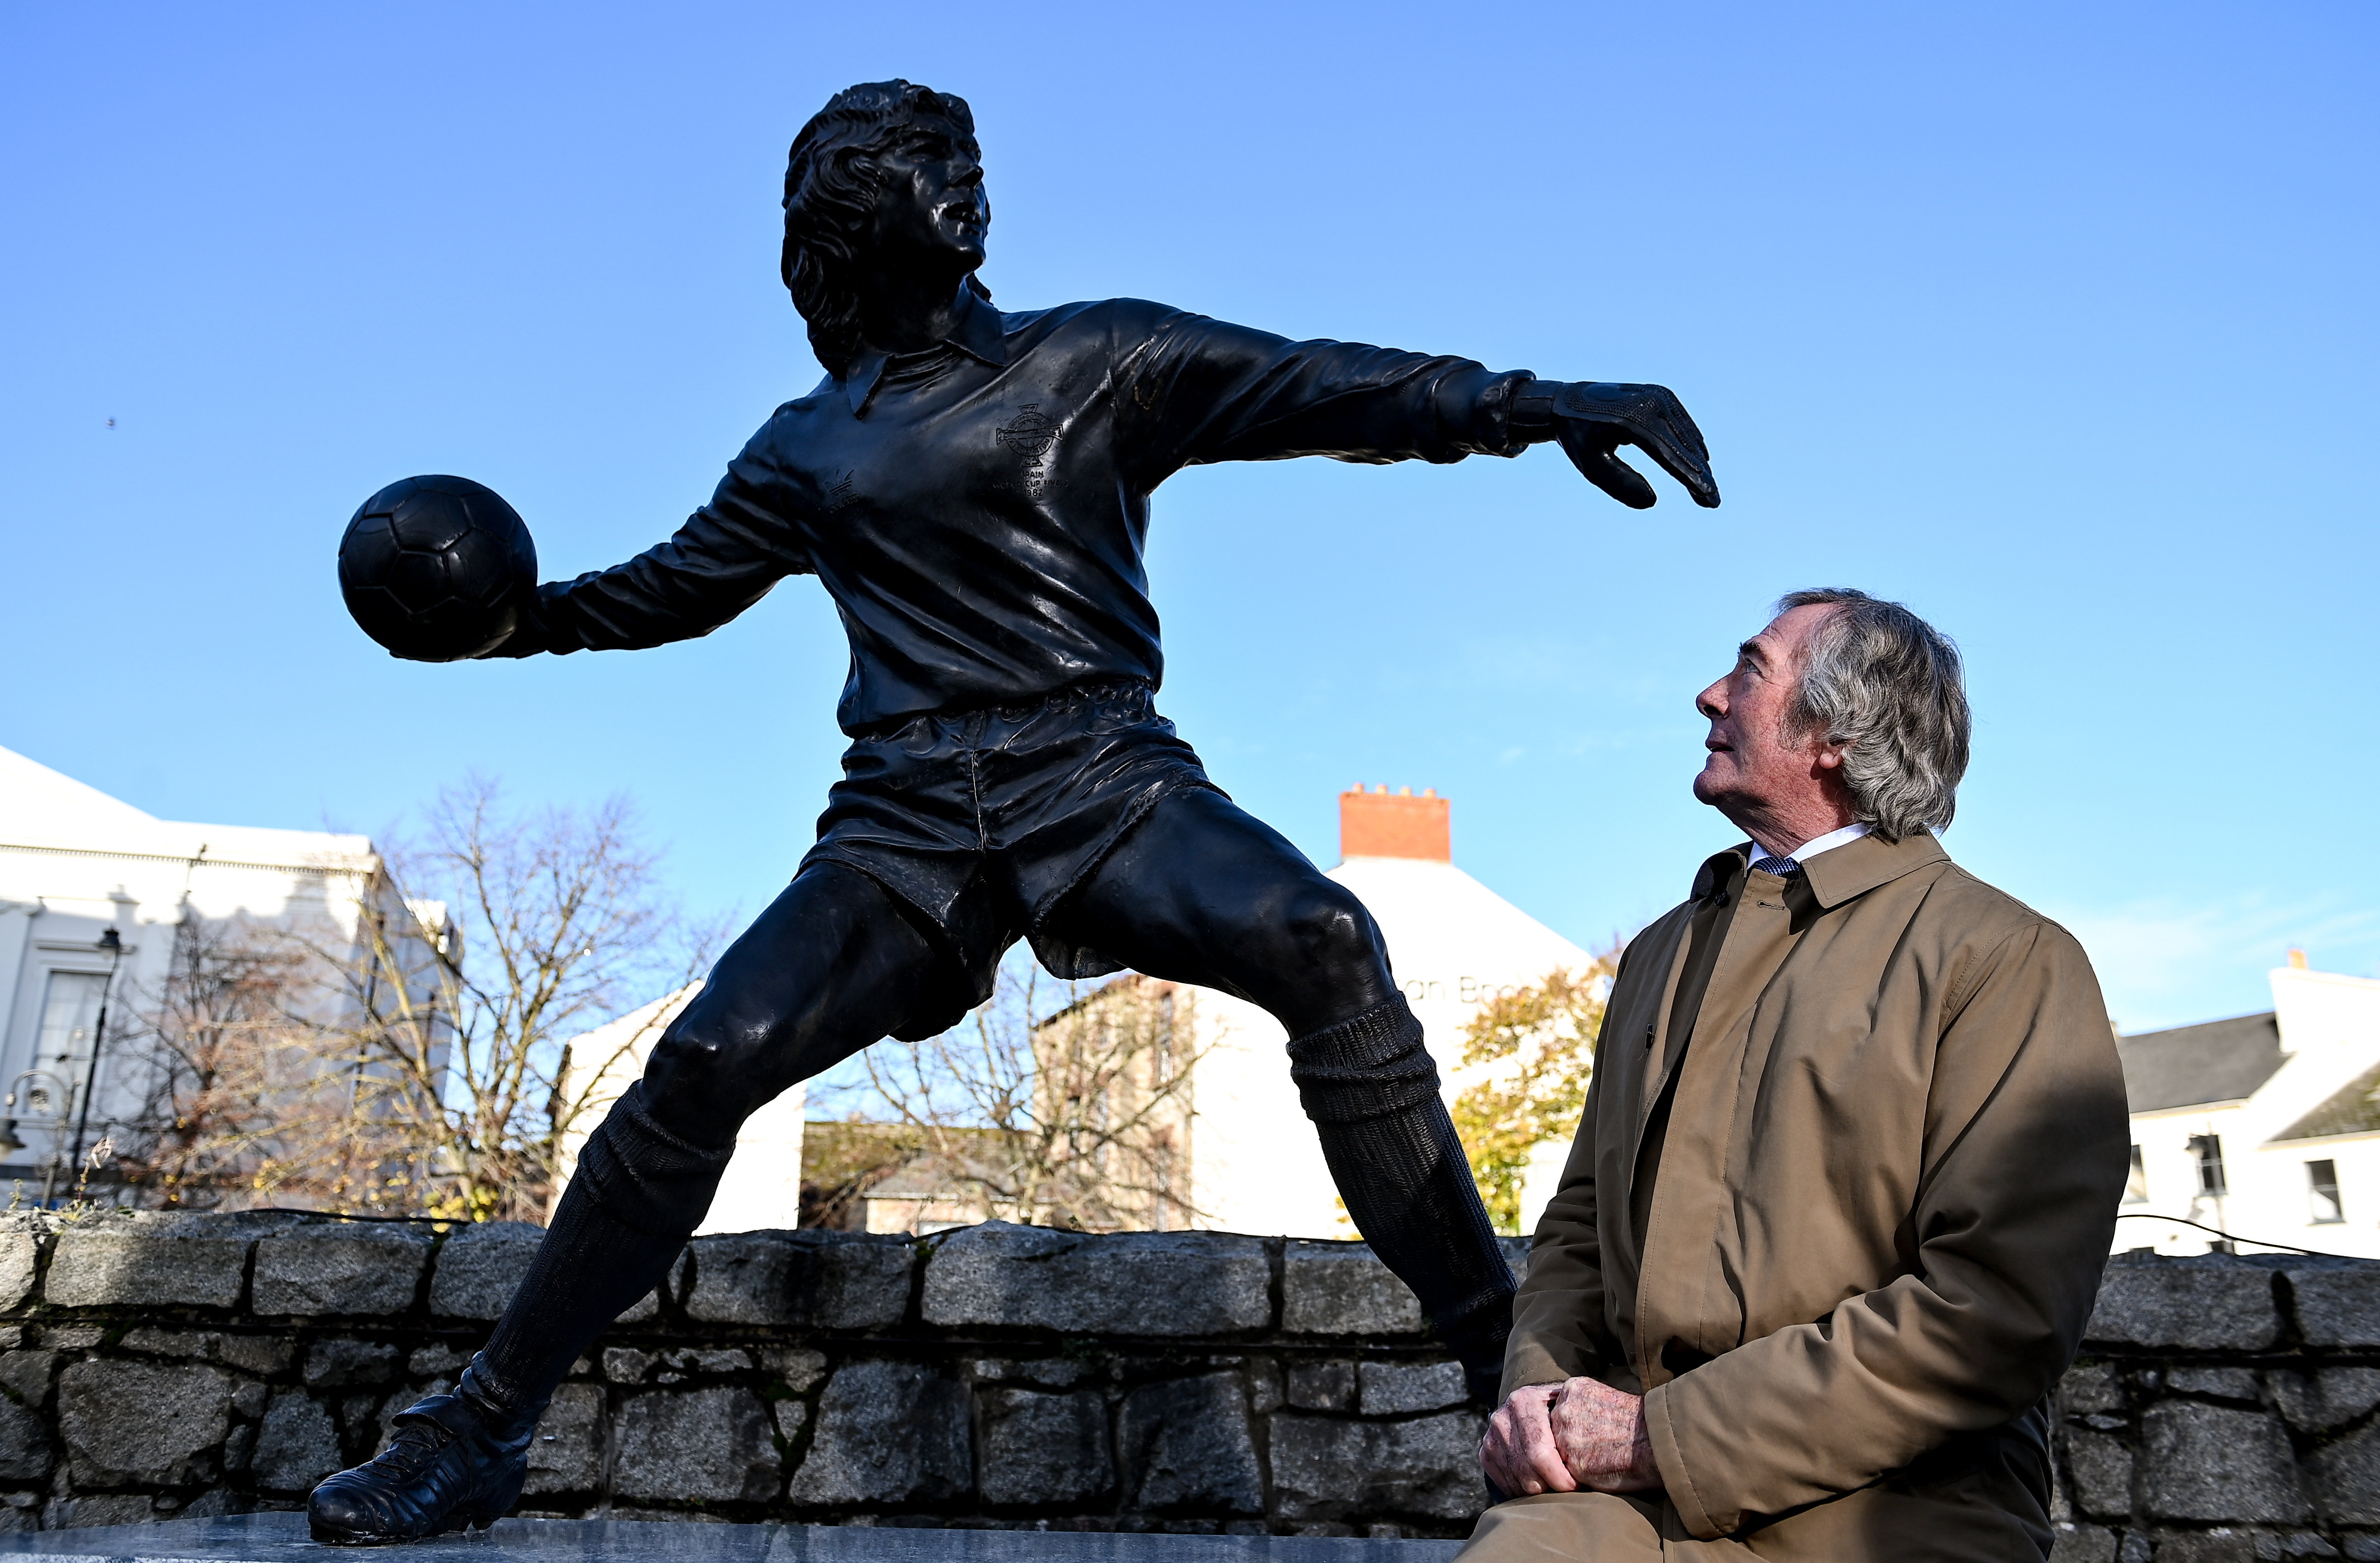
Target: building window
2322	1192
2136	1182
69	1014
2208	1149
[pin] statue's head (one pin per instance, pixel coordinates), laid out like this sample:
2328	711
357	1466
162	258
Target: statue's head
887	173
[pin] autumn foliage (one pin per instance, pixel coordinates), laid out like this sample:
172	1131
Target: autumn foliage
1528	1055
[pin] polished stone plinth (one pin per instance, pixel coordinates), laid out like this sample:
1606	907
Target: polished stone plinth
281	1538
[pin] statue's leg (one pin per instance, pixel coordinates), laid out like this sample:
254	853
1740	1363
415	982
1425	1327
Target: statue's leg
832	966
1201	891
829	968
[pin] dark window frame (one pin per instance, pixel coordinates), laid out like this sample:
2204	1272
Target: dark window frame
2322	1189
2212	1181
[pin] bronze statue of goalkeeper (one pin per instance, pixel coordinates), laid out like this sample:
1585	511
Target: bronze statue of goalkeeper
971	487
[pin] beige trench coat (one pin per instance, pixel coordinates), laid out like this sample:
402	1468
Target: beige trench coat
1893	1154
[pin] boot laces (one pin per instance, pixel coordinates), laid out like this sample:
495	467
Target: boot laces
414	1450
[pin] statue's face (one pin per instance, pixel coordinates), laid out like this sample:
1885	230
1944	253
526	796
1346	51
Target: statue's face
930	205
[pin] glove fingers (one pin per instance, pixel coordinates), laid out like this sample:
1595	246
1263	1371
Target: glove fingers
1680	425
1665	431
1688	465
1600	416
1601	468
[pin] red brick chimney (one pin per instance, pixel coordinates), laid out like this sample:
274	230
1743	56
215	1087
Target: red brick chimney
1375	824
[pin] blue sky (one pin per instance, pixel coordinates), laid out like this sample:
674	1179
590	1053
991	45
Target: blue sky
2055	322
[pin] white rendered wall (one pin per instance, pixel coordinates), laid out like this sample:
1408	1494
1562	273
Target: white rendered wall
762	1188
1547	1159
75	862
1256	1166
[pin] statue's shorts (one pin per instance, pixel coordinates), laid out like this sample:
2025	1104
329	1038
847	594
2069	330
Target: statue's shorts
981	822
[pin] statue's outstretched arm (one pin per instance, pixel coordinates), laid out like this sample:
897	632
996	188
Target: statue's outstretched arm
1192	389
724	560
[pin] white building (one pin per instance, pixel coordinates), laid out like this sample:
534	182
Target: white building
762	1188
1255	1164
93	892
2265	1126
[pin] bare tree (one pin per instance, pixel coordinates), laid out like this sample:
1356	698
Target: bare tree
227	1063
545	921
416	1060
1531	1052
1080	1118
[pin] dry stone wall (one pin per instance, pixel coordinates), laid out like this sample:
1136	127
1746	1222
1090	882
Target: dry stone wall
161	1365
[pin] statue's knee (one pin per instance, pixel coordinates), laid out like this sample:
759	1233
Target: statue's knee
701	1070
1331	928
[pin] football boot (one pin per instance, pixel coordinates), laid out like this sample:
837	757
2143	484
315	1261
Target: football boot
447	1468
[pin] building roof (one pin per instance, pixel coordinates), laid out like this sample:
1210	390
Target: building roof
2354	1109
931	1175
2221	1061
1434	916
43	809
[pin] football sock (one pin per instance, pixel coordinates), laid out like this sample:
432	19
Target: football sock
1371	1089
638	1193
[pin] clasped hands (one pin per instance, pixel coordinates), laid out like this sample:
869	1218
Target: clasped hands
1563	1437
1592	419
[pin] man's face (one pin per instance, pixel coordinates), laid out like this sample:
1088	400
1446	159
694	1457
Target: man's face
930	200
1759	765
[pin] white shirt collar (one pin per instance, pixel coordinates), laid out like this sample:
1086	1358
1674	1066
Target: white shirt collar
1827	842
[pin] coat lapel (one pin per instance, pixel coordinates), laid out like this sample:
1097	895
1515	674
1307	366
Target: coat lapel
1682	1238
1717	875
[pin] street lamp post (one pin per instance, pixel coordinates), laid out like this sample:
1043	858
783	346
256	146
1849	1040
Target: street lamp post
113	943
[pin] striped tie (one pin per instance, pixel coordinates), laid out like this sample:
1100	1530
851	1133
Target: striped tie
1780	866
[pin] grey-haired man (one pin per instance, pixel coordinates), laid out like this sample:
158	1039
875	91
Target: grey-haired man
1848	1170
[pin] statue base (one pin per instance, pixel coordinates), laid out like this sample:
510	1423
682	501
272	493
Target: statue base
281	1538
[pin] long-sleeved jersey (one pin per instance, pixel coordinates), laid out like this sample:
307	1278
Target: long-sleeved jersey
979	510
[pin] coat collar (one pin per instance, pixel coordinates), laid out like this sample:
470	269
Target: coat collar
1721	869
978	332
1856	868
1853	869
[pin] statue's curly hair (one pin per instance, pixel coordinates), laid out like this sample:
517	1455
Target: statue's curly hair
829	197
